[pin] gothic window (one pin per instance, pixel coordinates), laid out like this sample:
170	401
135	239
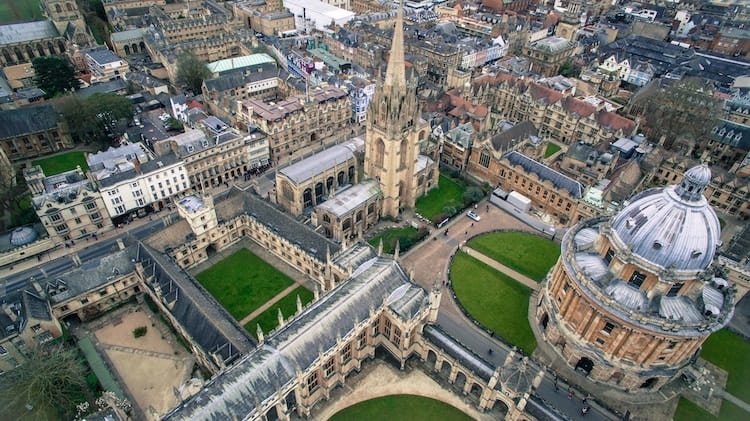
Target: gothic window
340	178
484	159
329	183
329	367
359	216
58	8
307	198
312	383
346	353
387	328
422	135
379	152
68	7
6	56
19	55
350	172
404	152
397	336
326	218
362	339
318	192
347	224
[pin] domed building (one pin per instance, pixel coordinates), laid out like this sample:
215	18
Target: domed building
632	298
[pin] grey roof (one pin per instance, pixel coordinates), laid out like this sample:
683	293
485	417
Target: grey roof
103	56
27	120
627	295
235	79
348	200
118	176
732	134
111	86
544	172
91	275
516	134
23	32
322	161
679	308
459	352
257	376
132	34
36	306
669	231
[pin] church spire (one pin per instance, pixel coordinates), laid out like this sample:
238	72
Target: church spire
395	74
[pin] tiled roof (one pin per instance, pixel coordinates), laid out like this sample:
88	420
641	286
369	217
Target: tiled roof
577	106
616	122
23	32
544	94
27	120
544	172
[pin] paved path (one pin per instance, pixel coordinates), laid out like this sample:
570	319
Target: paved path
501	268
268	304
735	400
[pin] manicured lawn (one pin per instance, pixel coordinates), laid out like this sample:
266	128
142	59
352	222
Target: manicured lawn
448	193
389	236
526	253
494	299
243	282
730	352
688	411
401	407
19	11
63	162
552	149
268	320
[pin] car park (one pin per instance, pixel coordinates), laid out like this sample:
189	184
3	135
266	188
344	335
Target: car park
473	215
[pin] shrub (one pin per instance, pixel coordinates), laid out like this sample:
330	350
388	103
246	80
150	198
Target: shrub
140	331
472	195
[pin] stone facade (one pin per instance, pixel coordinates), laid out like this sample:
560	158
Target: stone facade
32	131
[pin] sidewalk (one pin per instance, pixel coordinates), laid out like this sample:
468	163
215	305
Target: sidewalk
245	320
501	268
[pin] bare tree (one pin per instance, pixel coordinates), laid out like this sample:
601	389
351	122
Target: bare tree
48	384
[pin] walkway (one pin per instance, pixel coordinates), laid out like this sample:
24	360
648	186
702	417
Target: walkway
501	268
245	320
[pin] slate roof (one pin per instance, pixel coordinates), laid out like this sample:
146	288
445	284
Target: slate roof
16	33
236	79
36	307
544	172
732	134
518	133
257	376
348	200
27	120
322	161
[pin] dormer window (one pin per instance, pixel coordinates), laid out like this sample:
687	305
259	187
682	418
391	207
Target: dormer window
657	245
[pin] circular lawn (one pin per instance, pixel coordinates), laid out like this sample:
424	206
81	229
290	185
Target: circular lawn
525	253
401	407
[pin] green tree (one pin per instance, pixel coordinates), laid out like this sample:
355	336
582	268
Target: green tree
191	72
472	195
98	118
570	69
50	382
54	75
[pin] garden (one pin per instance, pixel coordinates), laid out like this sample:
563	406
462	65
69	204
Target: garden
64	162
401	407
448	199
405	237
495	300
243	282
523	252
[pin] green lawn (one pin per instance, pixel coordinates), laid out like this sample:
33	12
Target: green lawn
401	407
729	351
494	299
688	411
243	282
19	11
448	193
552	149
389	236
526	253
63	162
268	320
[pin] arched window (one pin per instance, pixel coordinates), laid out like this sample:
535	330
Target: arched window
29	52
351	174
7	56
19	54
422	135
307	198
127	50
58	8
68	7
359	216
484	159
40	50
326	218
318	192
329	183
340	178
404	152
379	152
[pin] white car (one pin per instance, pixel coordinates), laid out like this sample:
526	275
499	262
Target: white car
473	215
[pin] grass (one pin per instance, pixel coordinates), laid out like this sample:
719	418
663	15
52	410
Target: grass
729	351
494	299
688	411
525	253
448	194
268	320
389	236
243	282
401	407
64	162
19	11
552	149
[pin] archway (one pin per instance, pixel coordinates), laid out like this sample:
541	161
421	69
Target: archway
460	381
127	50
272	414
431	358
616	377
476	390
499	407
584	366
544	321
445	369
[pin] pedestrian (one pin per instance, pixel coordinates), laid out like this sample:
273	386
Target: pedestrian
557	388
466	232
475	206
583	401
472	224
571	394
585	410
488	208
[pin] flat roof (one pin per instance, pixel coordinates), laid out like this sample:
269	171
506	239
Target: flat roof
29	31
239	62
348	200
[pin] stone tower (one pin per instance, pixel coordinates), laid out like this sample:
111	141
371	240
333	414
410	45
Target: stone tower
394	131
570	21
68	20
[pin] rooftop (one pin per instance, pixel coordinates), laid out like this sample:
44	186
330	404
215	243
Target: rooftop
27	120
16	33
544	172
323	161
234	63
348	200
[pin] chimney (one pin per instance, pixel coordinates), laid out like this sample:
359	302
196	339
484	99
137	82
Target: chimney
137	166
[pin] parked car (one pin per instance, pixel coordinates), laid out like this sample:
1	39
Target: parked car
473	215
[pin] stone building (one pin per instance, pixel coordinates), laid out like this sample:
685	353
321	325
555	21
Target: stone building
32	131
300	124
395	135
551	192
68	204
68	20
223	93
216	154
588	164
632	298
22	42
548	54
311	181
350	213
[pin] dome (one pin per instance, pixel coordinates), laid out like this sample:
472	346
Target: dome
672	227
21	236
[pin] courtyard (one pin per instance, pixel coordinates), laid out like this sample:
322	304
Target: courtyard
151	366
242	282
268	318
409	407
63	162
